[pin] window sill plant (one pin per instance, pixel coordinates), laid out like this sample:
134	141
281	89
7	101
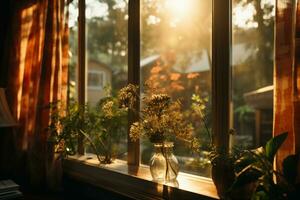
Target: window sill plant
255	168
161	121
102	127
222	162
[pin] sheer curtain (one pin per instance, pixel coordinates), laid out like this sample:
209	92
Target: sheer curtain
287	76
37	75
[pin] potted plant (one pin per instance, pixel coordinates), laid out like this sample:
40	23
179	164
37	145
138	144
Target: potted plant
222	170
102	127
66	125
255	171
68	122
108	125
222	162
161	121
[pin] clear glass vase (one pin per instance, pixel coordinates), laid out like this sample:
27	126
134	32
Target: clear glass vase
163	164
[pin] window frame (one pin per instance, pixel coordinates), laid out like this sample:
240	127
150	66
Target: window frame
82	65
221	71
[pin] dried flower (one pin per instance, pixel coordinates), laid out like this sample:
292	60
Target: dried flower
156	104
195	144
161	120
135	131
127	96
107	109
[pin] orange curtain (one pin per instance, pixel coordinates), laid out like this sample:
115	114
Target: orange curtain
287	76
38	75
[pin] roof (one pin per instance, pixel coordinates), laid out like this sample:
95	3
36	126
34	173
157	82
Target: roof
149	60
261	98
241	52
100	63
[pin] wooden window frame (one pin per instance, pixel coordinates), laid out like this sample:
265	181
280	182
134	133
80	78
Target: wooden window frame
133	148
221	70
82	66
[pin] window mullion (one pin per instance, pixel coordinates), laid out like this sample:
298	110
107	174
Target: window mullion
221	51
133	72
81	64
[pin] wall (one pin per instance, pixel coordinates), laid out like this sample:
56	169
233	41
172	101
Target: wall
5	18
94	95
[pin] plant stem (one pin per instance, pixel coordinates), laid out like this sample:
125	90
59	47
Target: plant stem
164	153
92	145
203	119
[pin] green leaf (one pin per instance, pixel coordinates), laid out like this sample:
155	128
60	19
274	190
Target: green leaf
246	176
273	145
289	165
243	162
261	195
249	157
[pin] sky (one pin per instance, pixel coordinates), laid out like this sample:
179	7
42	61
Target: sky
242	14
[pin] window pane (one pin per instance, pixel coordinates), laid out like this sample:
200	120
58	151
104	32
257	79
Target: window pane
106	37
73	50
176	59
252	71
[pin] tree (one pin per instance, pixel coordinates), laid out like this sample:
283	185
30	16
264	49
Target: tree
259	39
257	34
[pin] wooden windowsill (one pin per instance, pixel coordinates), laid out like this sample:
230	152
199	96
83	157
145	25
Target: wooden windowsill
136	182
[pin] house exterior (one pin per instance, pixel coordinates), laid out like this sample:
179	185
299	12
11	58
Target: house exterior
99	76
261	100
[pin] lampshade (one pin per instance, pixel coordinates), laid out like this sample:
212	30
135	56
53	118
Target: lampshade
6	118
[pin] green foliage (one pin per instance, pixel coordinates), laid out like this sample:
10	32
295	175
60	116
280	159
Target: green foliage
248	175
66	125
242	112
108	124
102	127
199	107
217	156
273	145
256	166
247	159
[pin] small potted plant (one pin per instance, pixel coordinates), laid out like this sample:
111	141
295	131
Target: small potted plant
102	127
222	170
161	121
222	162
68	122
108	126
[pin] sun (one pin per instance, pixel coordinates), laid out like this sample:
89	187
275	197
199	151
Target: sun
178	8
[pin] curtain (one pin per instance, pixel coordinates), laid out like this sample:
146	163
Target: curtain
38	74
287	76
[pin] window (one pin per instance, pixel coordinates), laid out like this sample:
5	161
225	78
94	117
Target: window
96	80
184	48
73	51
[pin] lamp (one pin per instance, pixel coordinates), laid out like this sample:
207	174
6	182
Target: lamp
9	189
6	118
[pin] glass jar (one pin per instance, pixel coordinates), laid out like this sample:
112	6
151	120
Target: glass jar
163	164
